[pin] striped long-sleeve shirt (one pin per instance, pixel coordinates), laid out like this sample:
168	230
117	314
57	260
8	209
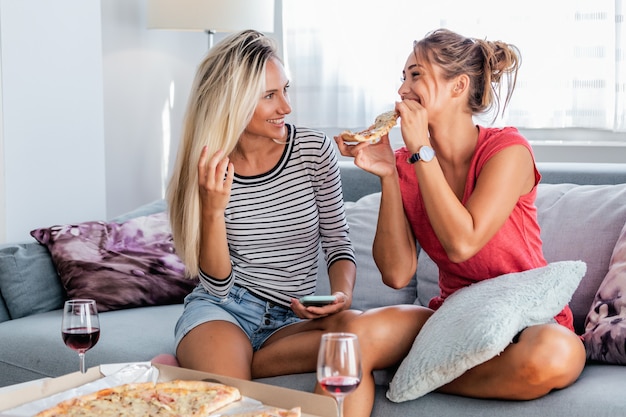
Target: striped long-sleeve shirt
276	221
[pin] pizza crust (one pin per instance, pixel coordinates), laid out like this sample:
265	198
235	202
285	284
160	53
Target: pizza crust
382	125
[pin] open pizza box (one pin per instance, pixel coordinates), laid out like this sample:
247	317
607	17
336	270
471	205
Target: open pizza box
30	398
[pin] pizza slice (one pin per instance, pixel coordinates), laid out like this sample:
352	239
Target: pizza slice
172	398
195	398
382	125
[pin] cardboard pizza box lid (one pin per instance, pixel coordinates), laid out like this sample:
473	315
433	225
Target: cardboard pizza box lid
312	405
30	391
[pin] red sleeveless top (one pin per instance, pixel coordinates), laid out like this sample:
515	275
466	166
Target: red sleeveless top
516	247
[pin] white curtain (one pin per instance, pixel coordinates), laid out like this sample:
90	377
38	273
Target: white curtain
345	57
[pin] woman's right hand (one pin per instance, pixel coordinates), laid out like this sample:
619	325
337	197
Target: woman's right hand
215	179
376	158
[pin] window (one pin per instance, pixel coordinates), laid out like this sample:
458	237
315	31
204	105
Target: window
345	57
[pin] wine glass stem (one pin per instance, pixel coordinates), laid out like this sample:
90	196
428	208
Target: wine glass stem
81	358
340	405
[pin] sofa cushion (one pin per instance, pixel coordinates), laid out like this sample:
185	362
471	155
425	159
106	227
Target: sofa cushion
578	222
4	311
120	265
478	322
369	290
32	347
427	279
605	328
29	283
581	222
147	209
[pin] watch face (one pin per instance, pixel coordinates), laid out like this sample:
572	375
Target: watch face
426	153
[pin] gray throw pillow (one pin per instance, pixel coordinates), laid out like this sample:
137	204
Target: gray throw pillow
478	322
581	222
29	284
427	279
4	311
153	207
369	290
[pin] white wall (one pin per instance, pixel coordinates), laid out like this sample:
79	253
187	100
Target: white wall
93	103
52	128
3	216
147	77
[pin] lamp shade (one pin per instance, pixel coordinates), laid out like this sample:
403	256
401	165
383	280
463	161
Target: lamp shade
211	15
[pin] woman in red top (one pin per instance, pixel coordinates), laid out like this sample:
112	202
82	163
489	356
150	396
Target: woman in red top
466	193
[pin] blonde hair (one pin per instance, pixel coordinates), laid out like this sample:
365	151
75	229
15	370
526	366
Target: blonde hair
484	62
226	90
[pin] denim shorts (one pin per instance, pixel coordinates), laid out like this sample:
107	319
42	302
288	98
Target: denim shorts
258	318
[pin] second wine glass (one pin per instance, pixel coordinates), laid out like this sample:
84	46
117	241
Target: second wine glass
339	365
80	327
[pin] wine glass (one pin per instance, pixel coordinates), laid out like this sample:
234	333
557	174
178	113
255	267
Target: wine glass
339	365
80	327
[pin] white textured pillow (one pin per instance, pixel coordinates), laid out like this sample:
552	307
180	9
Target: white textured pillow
478	322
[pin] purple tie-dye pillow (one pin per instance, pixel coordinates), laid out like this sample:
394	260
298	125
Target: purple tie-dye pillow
605	327
120	265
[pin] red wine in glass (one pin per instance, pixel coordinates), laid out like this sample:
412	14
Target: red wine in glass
339	365
339	384
81	339
80	328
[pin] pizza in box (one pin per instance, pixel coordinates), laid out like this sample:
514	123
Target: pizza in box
167	399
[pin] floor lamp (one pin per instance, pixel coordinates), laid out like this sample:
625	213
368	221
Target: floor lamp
211	16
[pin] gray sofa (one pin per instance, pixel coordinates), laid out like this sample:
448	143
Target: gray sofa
578	222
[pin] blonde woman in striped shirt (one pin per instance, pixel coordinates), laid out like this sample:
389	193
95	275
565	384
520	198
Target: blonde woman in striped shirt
252	199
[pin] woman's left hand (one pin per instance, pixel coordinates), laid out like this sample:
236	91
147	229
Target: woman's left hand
342	302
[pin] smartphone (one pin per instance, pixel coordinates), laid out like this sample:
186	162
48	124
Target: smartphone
317	300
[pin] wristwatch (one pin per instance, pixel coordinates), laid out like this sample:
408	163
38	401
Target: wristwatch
426	154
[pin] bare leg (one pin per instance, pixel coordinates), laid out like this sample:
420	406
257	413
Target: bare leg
545	358
386	336
293	349
219	347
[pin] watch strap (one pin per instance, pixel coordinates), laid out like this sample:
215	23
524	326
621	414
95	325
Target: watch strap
414	158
